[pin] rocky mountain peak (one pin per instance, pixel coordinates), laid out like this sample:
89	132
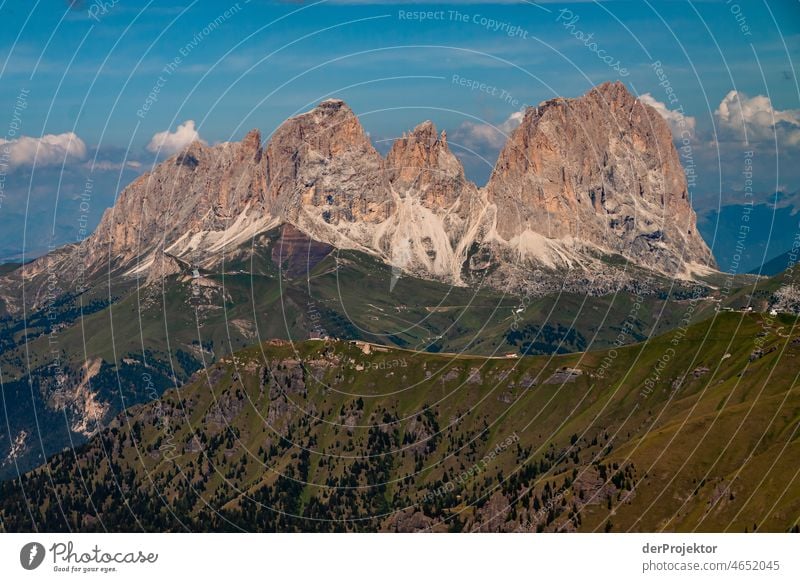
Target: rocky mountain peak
613	92
332	105
200	189
421	159
439	209
324	174
601	169
329	129
578	180
425	131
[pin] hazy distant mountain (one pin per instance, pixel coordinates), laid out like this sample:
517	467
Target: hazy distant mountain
743	236
776	264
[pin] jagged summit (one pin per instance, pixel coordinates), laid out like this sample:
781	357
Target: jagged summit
600	169
426	129
422	150
578	180
323	171
197	192
609	95
252	141
333	102
612	88
327	108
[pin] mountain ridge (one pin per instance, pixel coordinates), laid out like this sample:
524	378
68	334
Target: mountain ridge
551	214
318	436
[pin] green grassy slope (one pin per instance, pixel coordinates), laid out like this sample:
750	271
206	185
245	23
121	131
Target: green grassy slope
276	288
695	430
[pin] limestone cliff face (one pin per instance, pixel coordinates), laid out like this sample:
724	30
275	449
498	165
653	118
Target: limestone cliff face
421	162
324	173
439	212
415	209
578	180
185	205
600	169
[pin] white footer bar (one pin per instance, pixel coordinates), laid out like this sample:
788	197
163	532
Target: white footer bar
400	557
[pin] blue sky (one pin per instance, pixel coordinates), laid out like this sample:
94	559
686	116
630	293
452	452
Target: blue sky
87	68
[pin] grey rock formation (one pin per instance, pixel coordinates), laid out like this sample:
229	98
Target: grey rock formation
600	169
579	181
200	191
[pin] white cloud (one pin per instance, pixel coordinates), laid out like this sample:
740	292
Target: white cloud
478	136
677	121
756	119
172	143
47	150
787	200
109	166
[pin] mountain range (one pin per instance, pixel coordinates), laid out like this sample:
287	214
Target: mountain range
584	238
585	191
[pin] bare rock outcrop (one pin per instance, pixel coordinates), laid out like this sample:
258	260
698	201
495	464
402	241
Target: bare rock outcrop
600	170
439	212
194	203
579	181
325	176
